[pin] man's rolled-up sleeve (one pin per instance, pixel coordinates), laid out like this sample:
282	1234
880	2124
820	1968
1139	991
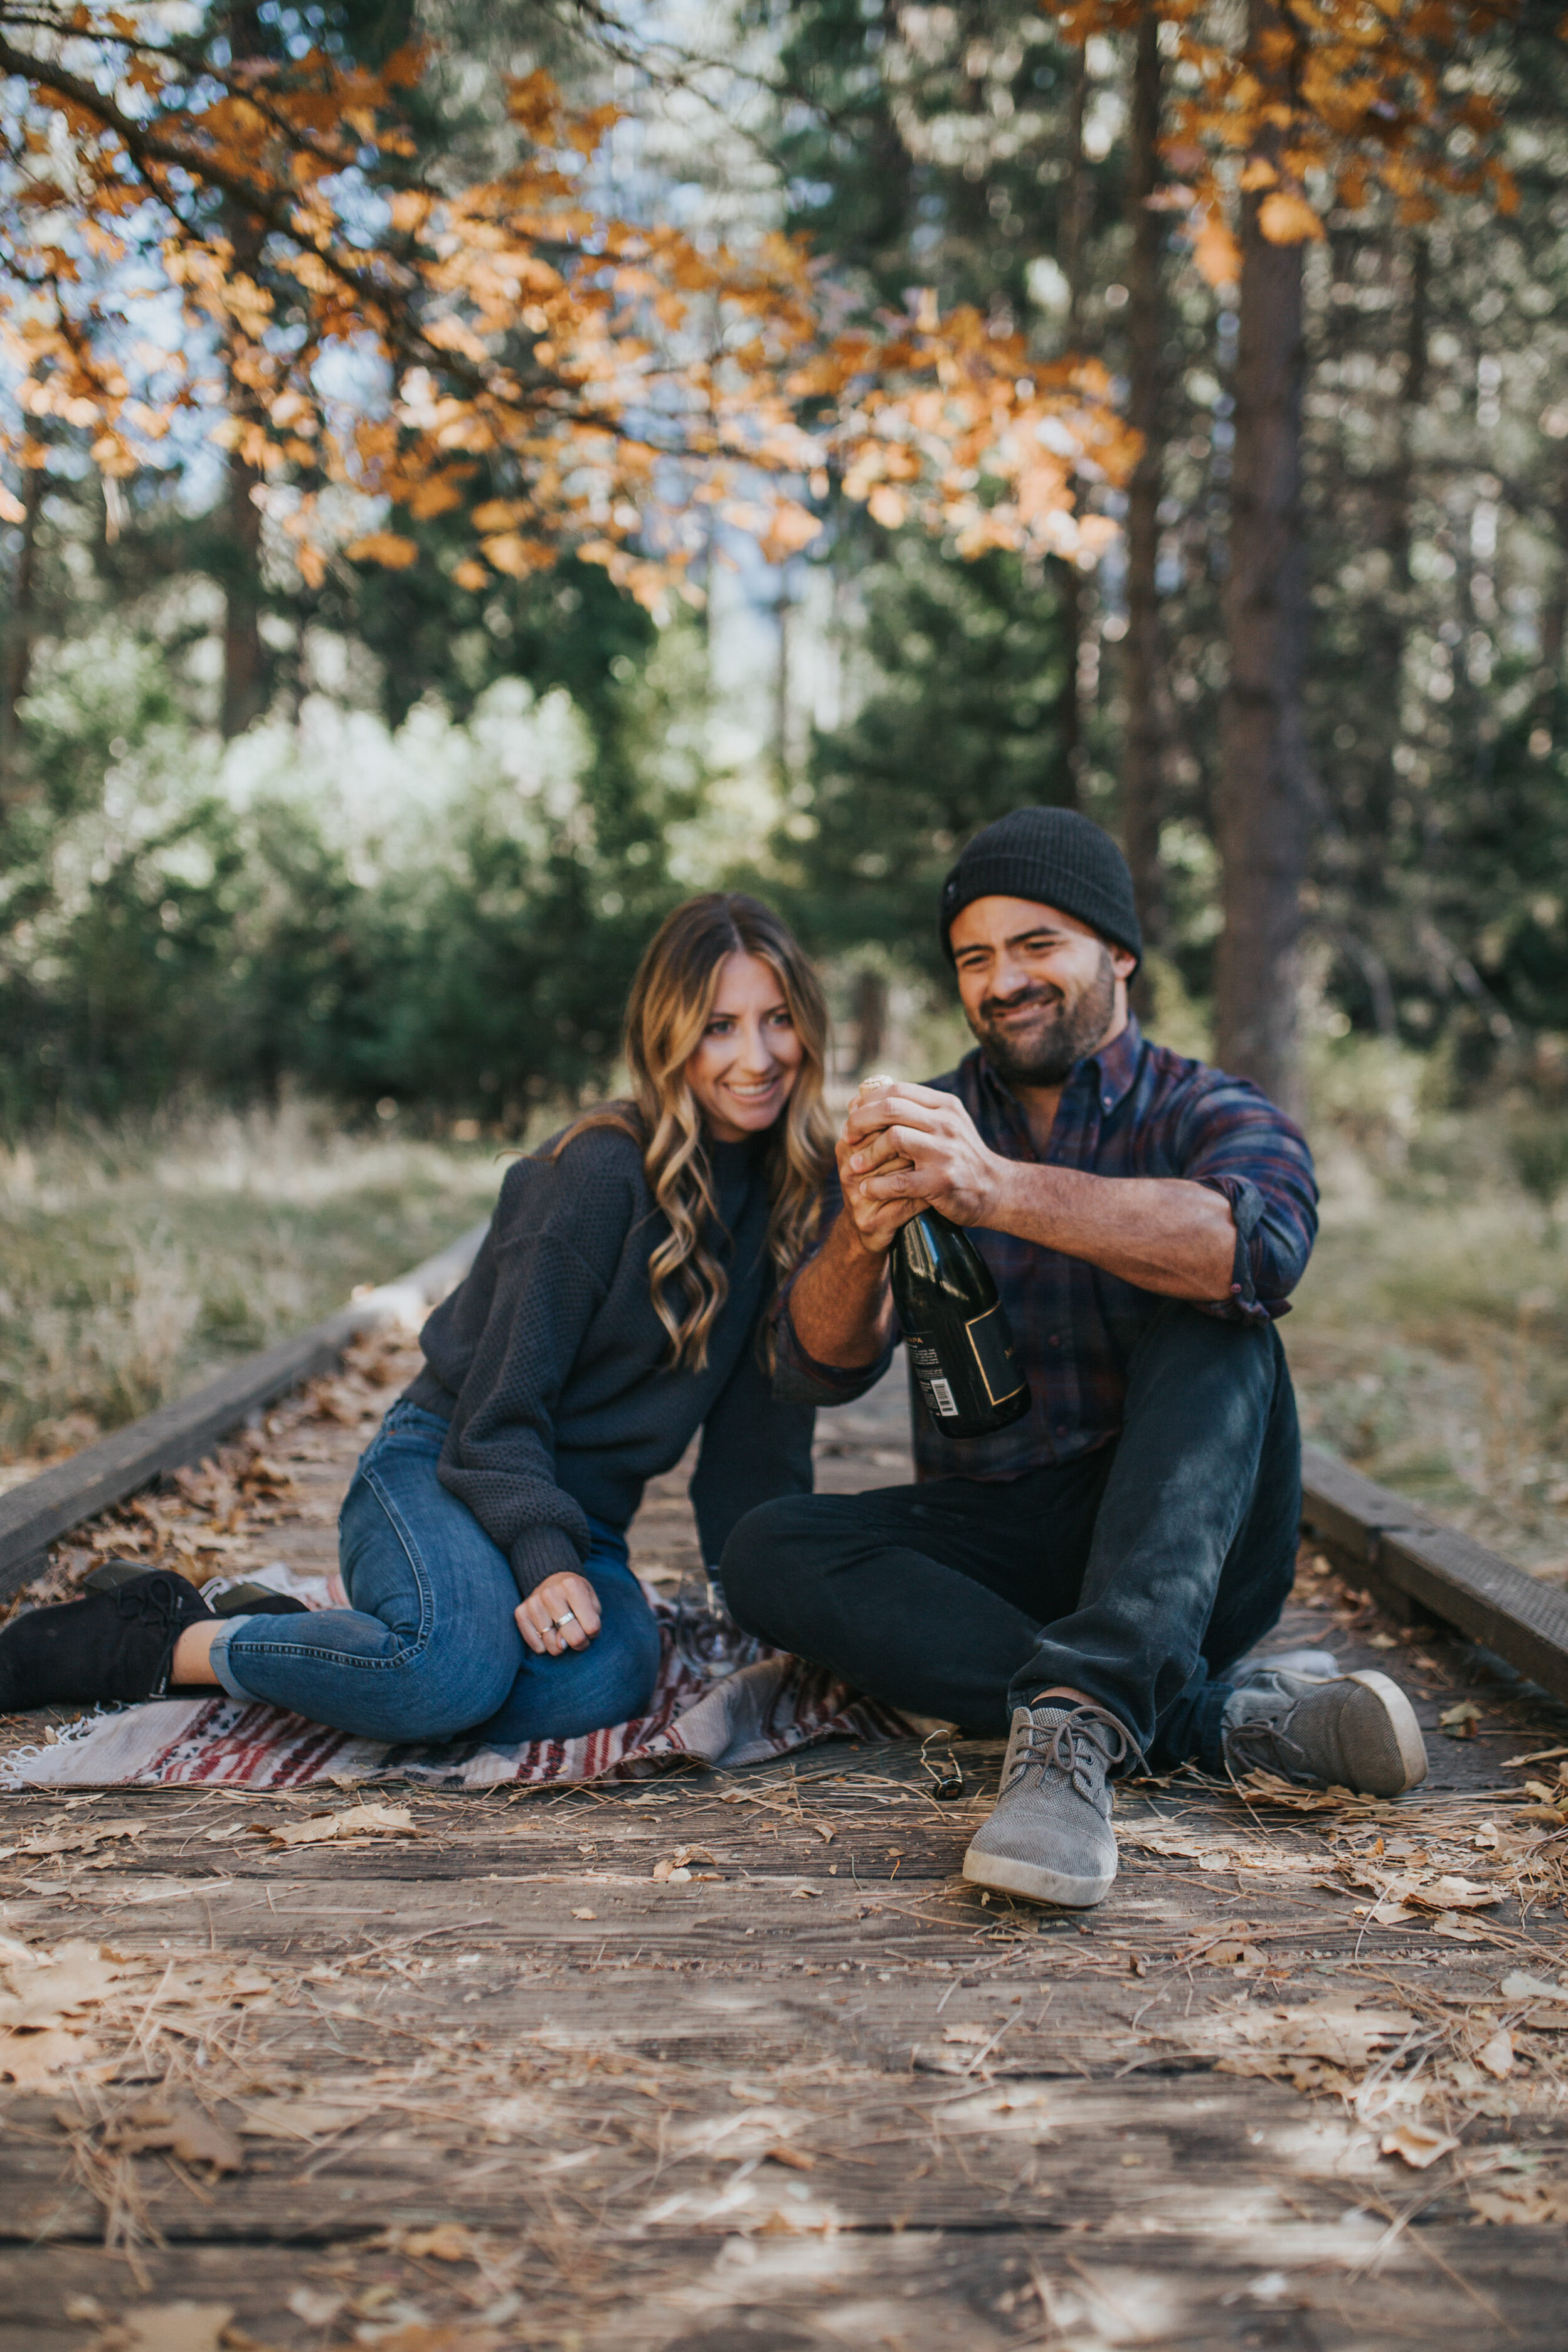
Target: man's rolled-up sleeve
798	1378
1235	1141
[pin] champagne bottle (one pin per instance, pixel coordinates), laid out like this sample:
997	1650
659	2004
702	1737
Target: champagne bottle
962	1354
961	1348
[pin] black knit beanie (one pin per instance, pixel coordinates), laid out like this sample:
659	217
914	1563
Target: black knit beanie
1053	855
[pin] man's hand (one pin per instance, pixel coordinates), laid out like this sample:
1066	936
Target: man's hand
562	1613
905	1146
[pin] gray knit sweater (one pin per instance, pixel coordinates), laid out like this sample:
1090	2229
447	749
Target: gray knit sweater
550	1364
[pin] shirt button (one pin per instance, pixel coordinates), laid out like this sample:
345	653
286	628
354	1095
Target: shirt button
1105	1102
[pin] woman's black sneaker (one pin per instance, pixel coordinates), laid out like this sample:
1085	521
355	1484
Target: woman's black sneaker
238	1600
115	1646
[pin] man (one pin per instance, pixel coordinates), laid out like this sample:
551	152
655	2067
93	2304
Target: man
1091	1574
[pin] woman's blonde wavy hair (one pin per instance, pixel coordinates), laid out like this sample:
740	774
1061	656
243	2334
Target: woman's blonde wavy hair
670	1004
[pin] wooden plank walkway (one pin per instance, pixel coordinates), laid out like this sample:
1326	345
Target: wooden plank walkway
487	2081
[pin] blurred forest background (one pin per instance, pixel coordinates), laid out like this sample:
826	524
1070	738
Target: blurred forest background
312	897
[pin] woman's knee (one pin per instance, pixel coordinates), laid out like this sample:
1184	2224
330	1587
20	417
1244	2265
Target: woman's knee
629	1649
440	1691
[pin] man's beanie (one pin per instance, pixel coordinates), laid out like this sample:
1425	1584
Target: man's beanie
1053	855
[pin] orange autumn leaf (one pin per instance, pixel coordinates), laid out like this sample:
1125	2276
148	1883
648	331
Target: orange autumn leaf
385	547
1285	218
1216	253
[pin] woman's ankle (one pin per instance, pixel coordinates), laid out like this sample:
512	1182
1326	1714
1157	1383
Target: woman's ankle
193	1654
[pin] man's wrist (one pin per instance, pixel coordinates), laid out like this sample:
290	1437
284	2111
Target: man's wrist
872	1254
1002	1192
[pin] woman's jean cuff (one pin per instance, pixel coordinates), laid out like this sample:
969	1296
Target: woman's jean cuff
217	1658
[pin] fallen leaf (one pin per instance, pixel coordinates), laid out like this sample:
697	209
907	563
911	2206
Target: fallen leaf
1231	1955
1459	1722
1449	1924
584	1914
966	2032
1497	2055
316	2308
448	2241
48	1986
80	1840
665	1872
1419	2144
1536	1756
1519	1986
354	1820
183	2128
795	2157
175	2326
1523	2201
1331	2030
822	1831
806	1893
1383	1641
305	2119
28	2059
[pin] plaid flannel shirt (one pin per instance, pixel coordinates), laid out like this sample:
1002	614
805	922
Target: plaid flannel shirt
1132	1109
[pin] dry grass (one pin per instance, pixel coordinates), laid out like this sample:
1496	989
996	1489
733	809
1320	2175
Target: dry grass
1428	1340
134	1262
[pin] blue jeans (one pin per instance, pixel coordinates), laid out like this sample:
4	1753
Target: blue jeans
1136	1573
430	1647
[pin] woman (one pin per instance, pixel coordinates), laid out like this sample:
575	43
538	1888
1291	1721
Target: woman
615	1308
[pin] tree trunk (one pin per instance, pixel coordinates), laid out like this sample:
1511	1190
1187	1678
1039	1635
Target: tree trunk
19	632
1143	755
1075	222
244	655
1263	836
1392	619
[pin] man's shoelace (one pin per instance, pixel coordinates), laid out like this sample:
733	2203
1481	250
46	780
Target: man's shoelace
1073	1746
1263	1746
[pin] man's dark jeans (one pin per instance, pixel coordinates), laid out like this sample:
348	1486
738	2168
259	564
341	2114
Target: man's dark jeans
1136	1573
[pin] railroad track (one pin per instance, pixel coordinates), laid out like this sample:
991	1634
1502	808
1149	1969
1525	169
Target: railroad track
1413	1564
722	2059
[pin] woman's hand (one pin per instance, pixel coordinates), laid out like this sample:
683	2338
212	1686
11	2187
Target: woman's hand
560	1614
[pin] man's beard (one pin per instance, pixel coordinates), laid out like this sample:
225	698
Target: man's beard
1063	1035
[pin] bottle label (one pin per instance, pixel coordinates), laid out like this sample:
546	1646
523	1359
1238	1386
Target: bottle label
996	1354
941	1402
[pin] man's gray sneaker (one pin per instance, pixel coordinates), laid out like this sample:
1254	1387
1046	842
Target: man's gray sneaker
1049	1836
1256	1673
1357	1732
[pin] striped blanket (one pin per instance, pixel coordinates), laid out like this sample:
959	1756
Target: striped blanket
763	1709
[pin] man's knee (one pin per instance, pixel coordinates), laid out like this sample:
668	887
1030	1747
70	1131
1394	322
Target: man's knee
762	1559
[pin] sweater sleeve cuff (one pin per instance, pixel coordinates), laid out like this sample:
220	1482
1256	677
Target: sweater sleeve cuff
541	1552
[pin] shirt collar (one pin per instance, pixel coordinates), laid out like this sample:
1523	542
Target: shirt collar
1117	1063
